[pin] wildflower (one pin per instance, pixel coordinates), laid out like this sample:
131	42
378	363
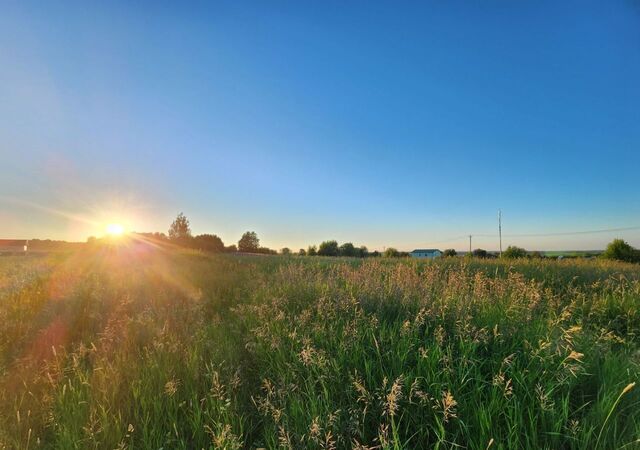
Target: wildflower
315	429
502	382
545	403
224	437
171	387
440	335
448	406
573	427
393	397
576	356
284	439
217	390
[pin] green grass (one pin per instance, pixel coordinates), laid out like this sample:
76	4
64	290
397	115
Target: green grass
110	349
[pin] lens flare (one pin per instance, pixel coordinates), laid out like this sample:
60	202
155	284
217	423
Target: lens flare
115	229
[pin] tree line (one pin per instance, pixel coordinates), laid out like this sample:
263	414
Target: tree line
180	234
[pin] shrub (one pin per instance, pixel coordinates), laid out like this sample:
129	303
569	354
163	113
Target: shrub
347	249
209	243
391	253
480	253
514	252
620	250
329	248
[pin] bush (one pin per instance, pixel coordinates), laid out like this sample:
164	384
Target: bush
329	248
347	249
480	253
449	252
513	252
620	250
209	243
391	253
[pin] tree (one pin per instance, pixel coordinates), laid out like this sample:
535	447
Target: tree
209	243
391	253
620	250
231	248
362	252
449	252
480	253
285	251
328	248
179	230
249	242
312	251
302	252
347	249
513	252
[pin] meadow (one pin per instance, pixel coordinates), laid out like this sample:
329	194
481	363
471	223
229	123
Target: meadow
113	348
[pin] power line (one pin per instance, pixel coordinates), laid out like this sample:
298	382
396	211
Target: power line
563	233
571	233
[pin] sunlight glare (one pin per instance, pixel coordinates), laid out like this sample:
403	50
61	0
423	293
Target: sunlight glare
115	229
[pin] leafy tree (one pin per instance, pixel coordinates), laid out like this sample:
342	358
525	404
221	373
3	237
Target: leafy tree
513	252
620	250
312	251
391	253
375	253
480	253
328	248
179	230
285	251
302	252
449	252
362	252
231	248
209	243
249	242
154	236
347	249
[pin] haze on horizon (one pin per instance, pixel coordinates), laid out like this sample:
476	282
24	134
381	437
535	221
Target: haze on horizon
383	126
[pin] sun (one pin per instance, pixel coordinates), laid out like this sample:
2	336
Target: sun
115	229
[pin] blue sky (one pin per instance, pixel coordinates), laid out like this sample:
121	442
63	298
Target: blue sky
378	123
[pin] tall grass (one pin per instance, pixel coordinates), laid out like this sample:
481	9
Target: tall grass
115	349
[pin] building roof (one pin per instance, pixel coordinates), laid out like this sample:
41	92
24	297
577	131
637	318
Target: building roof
12	242
426	250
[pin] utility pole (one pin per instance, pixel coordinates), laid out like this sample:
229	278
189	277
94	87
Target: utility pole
500	229
469	244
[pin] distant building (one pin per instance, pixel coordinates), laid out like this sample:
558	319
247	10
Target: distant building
426	253
14	245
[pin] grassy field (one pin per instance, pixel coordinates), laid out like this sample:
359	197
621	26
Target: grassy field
113	349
